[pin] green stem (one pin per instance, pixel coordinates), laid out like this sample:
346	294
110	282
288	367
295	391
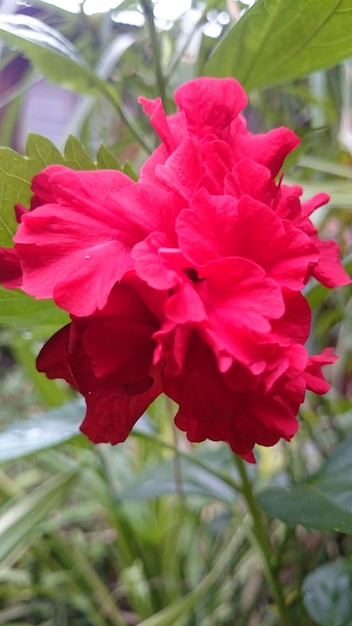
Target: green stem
262	542
160	80
134	130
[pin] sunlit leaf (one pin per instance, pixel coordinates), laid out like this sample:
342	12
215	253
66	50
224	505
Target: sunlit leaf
280	40
51	52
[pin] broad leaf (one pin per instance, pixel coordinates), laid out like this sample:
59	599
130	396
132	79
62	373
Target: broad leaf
41	431
51	52
323	502
327	594
280	40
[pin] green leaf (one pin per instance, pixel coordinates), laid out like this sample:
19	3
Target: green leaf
51	52
20	521
76	156
16	173
323	502
42	431
327	594
279	40
17	309
42	151
178	612
106	160
129	171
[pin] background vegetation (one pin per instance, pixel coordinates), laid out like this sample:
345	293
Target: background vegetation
156	531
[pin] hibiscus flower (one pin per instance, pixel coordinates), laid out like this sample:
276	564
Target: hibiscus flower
187	282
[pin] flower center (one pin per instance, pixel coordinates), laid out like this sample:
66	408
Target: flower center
193	275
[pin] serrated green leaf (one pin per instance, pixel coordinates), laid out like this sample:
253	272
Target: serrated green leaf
327	594
129	171
51	52
42	151
20	521
16	173
323	502
280	40
76	156
106	160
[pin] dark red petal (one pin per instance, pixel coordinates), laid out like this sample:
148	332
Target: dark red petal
53	357
10	268
112	413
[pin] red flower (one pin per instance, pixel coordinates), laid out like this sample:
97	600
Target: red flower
108	358
91	221
187	282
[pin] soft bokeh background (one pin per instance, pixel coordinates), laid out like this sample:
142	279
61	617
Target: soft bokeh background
152	531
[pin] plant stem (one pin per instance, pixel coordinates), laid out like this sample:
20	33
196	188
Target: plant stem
115	101
262	542
160	80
